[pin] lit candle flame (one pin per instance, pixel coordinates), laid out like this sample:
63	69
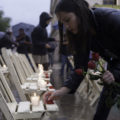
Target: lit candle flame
4	66
34	94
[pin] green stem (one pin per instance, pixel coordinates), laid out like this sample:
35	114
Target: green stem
103	70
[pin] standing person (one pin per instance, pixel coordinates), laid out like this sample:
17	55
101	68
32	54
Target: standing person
8	40
40	39
88	29
52	45
64	55
24	43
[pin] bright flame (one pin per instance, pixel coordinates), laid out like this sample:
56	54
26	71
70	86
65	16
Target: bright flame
4	66
34	94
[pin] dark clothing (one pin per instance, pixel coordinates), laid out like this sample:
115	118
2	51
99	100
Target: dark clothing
6	42
64	57
106	42
40	36
39	40
65	61
102	108
64	49
23	47
53	45
43	18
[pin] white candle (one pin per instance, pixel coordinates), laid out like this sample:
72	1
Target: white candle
35	99
4	66
42	83
40	68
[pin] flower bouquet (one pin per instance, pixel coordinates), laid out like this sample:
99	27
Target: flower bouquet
96	69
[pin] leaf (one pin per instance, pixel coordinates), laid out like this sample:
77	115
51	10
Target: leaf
94	77
101	83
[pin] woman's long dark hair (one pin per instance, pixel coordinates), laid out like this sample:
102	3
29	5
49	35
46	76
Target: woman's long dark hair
81	9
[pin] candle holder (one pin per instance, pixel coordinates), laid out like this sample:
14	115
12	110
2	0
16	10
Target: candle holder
35	99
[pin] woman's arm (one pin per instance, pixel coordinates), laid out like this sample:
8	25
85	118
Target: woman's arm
54	95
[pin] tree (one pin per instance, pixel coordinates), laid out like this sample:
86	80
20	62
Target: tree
4	22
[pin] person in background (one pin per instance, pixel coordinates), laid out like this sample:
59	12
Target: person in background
52	45
24	43
90	29
40	41
8	40
65	53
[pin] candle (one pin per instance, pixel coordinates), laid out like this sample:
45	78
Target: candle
35	99
4	66
42	83
40	68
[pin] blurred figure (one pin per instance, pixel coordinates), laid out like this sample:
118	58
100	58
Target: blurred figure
24	43
40	41
1	34
52	43
64	56
8	40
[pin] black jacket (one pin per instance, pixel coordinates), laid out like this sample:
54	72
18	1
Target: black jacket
40	36
106	42
23	47
6	42
53	45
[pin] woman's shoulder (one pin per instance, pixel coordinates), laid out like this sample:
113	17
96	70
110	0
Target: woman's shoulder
107	16
105	11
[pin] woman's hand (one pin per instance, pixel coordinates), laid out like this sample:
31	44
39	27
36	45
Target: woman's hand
48	96
108	77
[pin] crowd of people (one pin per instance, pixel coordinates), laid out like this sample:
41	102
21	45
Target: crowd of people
41	46
82	30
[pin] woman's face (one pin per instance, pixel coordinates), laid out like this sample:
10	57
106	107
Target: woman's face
69	20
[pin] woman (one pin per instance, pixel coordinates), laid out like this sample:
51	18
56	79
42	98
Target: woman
88	29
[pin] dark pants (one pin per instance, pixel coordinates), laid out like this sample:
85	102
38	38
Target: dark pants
65	61
45	66
103	109
51	58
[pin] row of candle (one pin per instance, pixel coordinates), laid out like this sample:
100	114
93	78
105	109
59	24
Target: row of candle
42	84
